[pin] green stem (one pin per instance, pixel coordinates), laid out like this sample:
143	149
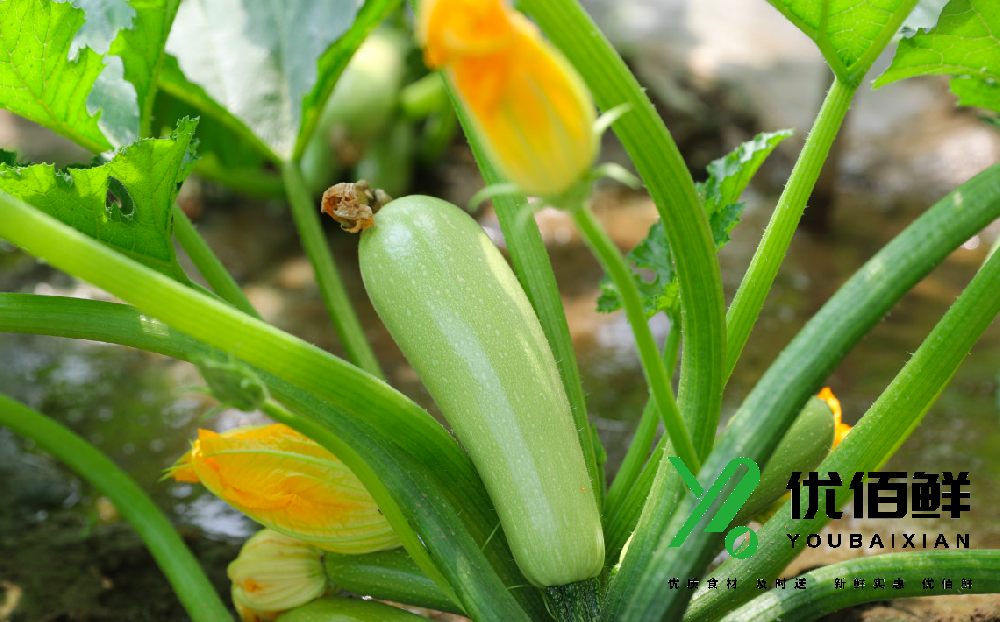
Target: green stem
424	97
772	405
666	176
652	363
619	525
187	578
219	279
386	575
770	252
858	306
247	182
638	450
323	436
120	324
394	447
419	473
575	602
345	321
875	438
822	596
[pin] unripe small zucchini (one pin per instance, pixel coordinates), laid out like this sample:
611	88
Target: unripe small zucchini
806	443
453	305
367	93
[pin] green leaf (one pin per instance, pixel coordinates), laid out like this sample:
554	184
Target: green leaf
111	94
973	91
133	36
37	78
86	70
270	69
965	42
727	179
333	63
723	221
173	81
659	294
849	33
728	176
924	15
225	155
124	203
141	49
103	20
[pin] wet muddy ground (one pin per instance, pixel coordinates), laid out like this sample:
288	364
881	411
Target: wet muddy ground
65	556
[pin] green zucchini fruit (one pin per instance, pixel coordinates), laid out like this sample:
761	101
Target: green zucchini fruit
806	443
367	93
457	312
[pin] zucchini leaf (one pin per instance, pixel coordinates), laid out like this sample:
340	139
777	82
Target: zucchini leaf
141	50
850	33
38	78
131	35
86	70
727	179
124	203
226	154
292	58
973	91
965	43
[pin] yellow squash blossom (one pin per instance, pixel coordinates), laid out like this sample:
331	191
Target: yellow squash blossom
289	483
274	573
842	428
527	103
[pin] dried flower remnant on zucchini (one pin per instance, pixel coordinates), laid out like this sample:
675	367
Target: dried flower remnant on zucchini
353	204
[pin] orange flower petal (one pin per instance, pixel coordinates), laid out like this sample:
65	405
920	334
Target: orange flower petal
285	481
527	103
450	29
841	432
841	429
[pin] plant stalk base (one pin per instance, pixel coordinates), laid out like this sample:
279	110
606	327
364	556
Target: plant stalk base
574	602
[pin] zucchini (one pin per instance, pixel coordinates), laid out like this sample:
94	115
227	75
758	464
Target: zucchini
806	443
367	93
457	312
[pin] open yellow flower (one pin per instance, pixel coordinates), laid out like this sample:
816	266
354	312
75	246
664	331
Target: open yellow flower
526	101
289	483
842	428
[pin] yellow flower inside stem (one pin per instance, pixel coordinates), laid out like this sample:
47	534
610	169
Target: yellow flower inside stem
289	483
527	103
841	428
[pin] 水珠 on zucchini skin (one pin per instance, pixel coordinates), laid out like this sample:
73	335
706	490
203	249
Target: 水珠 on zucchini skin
457	312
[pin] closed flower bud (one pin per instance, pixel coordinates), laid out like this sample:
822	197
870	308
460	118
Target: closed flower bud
529	106
275	573
289	483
